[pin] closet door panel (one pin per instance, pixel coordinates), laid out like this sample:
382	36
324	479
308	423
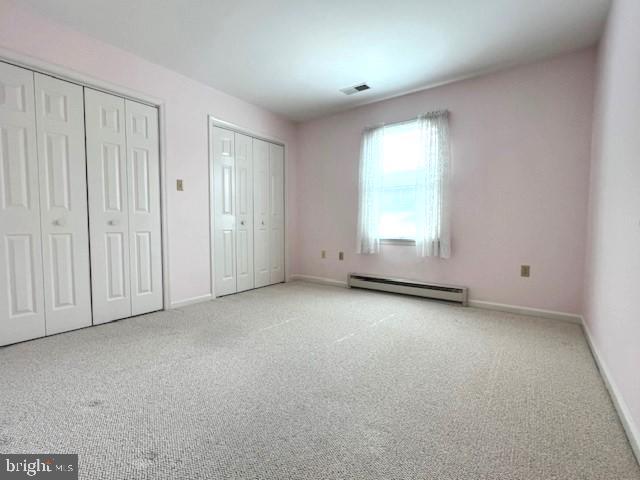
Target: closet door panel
244	212
261	212
224	208
63	204
108	206
21	286
276	213
143	174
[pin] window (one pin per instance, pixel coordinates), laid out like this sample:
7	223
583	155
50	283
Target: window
403	185
400	169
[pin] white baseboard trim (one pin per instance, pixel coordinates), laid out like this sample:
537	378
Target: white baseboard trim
191	301
630	427
533	312
320	280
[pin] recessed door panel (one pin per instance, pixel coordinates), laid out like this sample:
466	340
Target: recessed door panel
15	91
56	165
224	211
141	181
115	271
63	279
261	212
111	159
145	247
21	274
242	263
140	126
144	262
244	212
227	190
227	242
110	118
244	193
54	104
63	202
108	206
276	213
21	285
15	167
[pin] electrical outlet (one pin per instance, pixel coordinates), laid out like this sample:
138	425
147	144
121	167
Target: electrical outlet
323	254
179	185
341	256
525	270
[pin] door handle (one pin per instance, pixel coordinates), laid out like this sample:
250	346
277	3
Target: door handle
113	222
59	222
241	222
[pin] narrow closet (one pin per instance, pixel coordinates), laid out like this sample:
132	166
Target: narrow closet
248	211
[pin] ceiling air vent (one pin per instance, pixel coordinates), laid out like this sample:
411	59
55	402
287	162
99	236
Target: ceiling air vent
355	89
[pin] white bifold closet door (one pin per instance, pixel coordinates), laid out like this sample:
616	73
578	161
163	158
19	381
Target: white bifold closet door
268	161
261	212
21	281
276	213
244	212
63	204
143	174
44	245
124	206
108	206
224	210
268	164
233	211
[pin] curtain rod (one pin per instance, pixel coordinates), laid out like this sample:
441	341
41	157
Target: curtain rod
436	113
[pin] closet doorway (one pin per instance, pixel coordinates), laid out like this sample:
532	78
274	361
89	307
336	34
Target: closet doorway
80	205
247	209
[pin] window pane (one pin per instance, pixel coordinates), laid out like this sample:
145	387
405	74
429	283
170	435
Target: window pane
401	148
398	213
401	162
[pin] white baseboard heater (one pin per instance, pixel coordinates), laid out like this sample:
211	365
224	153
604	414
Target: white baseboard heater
436	291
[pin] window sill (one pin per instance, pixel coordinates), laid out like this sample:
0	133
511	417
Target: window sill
398	241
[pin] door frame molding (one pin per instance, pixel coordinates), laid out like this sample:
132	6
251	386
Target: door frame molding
69	75
213	121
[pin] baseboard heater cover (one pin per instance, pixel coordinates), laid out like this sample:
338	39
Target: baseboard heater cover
436	291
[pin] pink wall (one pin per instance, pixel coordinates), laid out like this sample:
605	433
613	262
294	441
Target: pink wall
521	148
611	307
187	105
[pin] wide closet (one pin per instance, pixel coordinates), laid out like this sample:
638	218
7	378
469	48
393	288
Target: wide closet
248	211
79	206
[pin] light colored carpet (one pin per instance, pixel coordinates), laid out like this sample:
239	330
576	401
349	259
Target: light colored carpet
299	381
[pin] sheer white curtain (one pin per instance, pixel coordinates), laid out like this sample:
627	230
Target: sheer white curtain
431	189
370	186
432	192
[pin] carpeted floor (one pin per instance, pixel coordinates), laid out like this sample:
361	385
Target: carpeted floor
300	381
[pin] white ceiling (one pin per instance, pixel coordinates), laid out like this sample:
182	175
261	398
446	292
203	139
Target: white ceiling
292	56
